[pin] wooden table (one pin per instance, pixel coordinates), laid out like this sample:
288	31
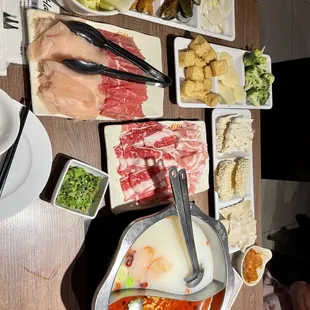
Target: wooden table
38	244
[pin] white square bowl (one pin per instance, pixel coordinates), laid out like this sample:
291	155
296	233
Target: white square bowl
103	185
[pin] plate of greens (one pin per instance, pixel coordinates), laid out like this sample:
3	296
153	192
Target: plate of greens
80	189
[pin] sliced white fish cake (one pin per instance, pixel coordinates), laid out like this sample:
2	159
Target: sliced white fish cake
227	94
227	57
240	93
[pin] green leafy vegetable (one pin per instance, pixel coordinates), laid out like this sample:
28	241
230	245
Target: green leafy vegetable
253	96
257	79
78	189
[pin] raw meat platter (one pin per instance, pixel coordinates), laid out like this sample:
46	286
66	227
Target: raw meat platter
217	158
159	137
195	23
149	46
181	44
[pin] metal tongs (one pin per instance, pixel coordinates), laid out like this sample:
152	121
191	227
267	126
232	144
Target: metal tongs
95	37
178	182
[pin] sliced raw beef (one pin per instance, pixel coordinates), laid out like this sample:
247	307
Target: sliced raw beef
146	152
83	96
124	99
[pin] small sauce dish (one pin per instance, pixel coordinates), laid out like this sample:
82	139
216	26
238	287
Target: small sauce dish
9	122
98	198
265	255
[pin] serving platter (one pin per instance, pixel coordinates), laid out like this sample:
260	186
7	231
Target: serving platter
181	44
149	46
195	23
118	205
217	158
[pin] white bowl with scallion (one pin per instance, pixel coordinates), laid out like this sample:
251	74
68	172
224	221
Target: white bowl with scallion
80	189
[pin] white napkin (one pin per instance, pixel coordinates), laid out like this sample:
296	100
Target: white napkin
3	64
13	41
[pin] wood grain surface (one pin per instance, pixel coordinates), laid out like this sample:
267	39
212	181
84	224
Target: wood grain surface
39	245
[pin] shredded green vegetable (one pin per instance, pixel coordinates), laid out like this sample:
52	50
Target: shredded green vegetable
78	189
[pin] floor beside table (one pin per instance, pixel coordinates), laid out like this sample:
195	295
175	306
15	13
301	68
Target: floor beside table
39	244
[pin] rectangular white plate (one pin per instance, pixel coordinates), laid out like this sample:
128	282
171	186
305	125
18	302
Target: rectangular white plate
181	44
118	205
194	25
150	47
217	158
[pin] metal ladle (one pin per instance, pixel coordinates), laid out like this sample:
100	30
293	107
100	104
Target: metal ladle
95	37
178	182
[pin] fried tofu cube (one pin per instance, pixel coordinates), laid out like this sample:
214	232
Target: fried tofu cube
188	88
209	56
219	67
200	46
184	97
194	73
211	99
207	72
196	90
199	86
200	95
207	84
187	59
199	62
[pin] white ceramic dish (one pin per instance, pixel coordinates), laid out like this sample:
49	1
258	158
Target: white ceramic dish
83	10
217	158
194	25
237	288
150	47
99	198
118	204
9	121
30	168
181	44
266	256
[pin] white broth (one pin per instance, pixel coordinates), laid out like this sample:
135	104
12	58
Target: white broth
158	260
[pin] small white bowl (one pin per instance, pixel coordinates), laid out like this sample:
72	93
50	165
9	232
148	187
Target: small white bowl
80	9
9	122
103	185
266	257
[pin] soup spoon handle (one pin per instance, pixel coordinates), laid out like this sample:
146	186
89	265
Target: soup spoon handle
183	209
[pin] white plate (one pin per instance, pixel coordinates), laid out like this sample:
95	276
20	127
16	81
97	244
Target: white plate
149	46
181	44
30	168
217	158
194	25
118	205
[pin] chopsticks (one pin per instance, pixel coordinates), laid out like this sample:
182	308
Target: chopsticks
5	169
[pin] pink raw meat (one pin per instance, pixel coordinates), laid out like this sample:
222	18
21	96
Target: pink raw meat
146	152
124	99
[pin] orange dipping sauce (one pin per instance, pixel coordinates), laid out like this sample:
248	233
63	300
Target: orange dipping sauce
253	261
